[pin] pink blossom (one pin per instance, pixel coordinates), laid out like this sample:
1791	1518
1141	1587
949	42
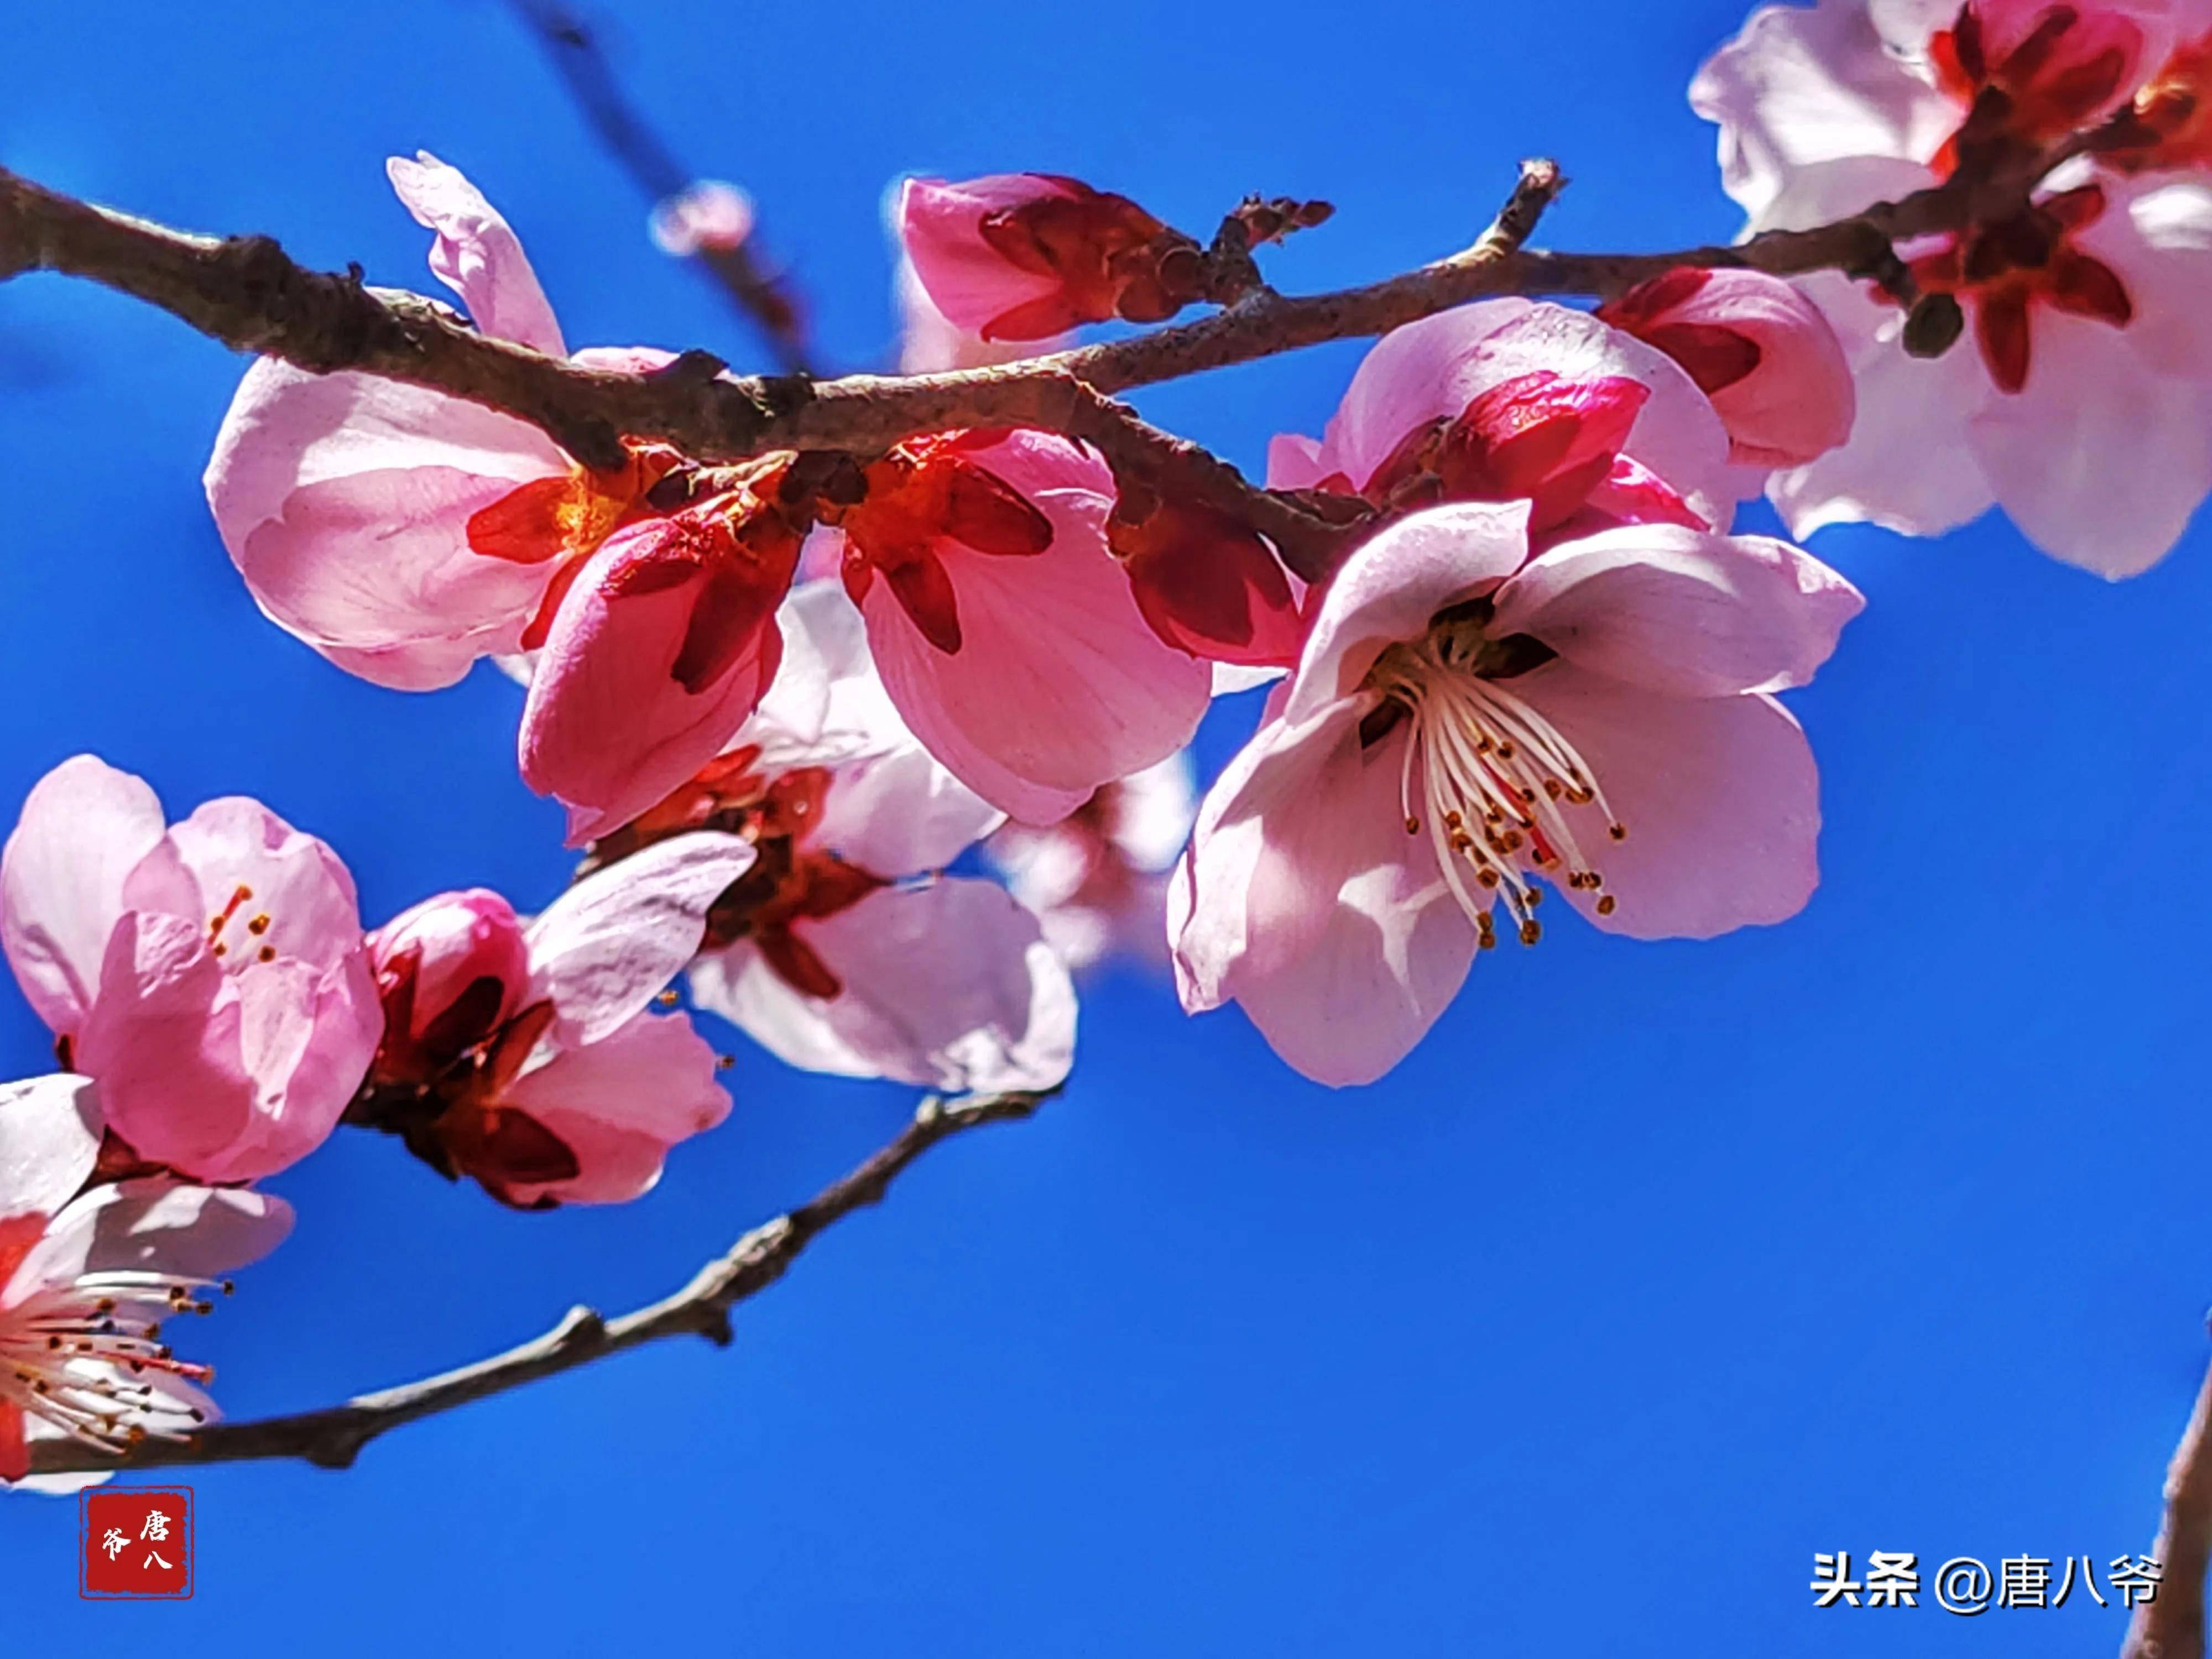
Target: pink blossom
527	1057
401	532
1509	399
709	215
1461	725
1024	256
2081	401
1097	879
87	1276
1759	348
850	954
1006	632
210	974
658	651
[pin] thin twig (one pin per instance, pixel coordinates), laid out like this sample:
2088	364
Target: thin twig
759	294
332	1438
2171	1626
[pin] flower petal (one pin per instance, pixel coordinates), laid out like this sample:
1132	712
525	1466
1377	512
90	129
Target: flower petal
1394	582
1888	473
84	825
606	947
1303	897
619	1104
1720	796
2098	463
1797	87
948	986
49	1140
344	502
477	254
1059	685
1681	611
153	1226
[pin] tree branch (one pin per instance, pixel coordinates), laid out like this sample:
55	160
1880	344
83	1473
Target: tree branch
332	1438
246	292
2172	1625
576	56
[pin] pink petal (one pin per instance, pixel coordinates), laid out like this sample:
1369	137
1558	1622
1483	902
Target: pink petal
309	1037
152	1225
1682	612
84	825
968	280
477	254
607	727
948	986
2157	235
2098	463
1889	473
1303	899
1798	86
610	944
344	502
901	814
1059	685
1394	582
1797	402
1296	461
234	857
165	1040
50	1131
1719	795
620	1103
1413	374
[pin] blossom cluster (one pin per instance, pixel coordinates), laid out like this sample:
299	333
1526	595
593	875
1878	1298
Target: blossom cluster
870	750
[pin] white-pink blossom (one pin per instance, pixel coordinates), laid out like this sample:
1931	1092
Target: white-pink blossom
210	974
87	1276
2081	399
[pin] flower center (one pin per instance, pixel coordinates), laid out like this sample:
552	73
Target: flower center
75	1354
223	936
2006	270
1504	795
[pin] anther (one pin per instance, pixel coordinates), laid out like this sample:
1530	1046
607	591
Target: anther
1618	831
1531	930
267	953
1412	824
259	925
667	999
1607	905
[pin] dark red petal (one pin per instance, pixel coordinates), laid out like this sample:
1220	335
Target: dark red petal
2089	287
924	593
795	962
1037	319
503	1147
827	885
1209	586
523	526
2001	330
989	514
2074	207
548	606
1714	356
727	618
1647	302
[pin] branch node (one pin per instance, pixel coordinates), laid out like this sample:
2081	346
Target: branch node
580	1327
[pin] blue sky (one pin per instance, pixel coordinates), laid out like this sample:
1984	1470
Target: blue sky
1656	1270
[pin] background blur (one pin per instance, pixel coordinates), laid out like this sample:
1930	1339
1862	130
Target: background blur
1657	1269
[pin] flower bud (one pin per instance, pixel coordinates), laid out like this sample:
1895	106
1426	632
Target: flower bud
1759	348
1023	256
451	971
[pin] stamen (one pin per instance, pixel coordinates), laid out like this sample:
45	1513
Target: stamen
1487	757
